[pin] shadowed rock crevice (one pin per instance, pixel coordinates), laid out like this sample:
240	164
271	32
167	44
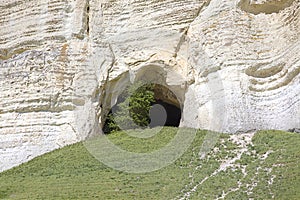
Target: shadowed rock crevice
264	6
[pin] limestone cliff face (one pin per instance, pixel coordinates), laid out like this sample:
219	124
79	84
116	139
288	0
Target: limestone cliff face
234	65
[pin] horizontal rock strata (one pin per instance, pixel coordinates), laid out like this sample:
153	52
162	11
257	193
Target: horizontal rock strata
233	65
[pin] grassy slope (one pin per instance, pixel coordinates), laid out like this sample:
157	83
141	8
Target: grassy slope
72	173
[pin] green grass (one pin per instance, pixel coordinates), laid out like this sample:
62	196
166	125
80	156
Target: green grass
73	173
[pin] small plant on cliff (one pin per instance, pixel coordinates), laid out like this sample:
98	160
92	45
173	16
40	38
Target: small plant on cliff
133	111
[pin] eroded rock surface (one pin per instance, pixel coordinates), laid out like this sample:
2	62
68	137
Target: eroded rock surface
233	65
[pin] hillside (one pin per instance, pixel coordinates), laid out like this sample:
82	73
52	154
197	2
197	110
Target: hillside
264	165
232	66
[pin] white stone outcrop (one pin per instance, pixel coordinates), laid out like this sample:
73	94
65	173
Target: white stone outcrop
234	65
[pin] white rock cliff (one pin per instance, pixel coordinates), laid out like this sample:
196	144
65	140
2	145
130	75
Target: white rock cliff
234	65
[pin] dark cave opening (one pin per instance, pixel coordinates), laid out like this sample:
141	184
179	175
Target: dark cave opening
164	111
164	114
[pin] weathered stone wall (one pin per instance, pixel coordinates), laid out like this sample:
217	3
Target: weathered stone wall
234	65
42	49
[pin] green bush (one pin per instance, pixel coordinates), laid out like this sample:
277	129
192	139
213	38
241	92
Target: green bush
133	111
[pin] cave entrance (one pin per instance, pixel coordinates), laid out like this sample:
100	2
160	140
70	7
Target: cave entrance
164	114
164	111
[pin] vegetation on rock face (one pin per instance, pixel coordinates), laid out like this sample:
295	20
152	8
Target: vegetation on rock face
245	166
133	110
